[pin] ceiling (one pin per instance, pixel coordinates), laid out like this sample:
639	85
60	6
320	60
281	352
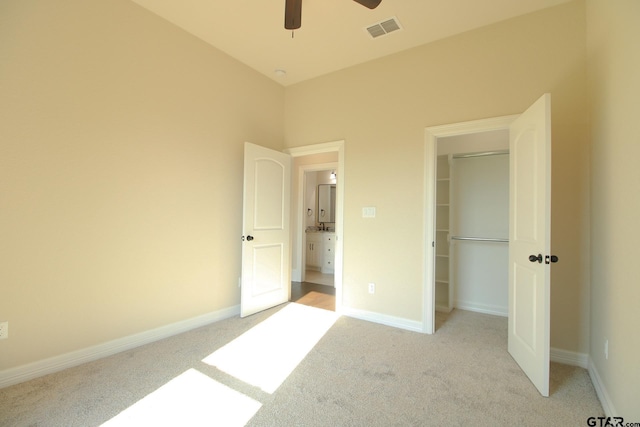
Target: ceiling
333	35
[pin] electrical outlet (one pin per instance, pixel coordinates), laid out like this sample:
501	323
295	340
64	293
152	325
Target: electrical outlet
606	349
4	330
372	288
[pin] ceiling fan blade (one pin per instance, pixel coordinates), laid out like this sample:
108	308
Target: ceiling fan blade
292	14
371	4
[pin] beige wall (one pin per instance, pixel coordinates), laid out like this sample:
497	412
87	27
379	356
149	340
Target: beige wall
381	109
121	141
614	86
121	155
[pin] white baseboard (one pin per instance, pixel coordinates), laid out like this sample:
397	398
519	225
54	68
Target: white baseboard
443	308
584	361
383	319
494	310
601	391
33	370
569	358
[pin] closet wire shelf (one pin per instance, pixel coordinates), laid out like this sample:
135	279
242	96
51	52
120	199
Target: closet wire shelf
480	239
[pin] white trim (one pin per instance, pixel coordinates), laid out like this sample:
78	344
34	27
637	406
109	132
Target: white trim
473	126
296	275
429	208
383	319
569	358
321	148
432	134
328	147
601	391
33	370
443	308
476	307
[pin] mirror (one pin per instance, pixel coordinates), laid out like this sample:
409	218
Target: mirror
326	203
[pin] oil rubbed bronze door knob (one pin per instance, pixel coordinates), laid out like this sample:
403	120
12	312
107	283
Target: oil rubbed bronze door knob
534	258
550	258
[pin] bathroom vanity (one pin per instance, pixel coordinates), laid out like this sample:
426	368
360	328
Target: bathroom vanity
320	251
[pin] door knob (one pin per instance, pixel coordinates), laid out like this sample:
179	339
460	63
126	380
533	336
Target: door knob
534	258
249	238
550	258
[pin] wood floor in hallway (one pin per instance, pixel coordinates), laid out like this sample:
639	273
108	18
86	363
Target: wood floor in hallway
314	295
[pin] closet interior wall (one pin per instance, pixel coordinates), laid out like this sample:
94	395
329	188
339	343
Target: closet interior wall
472	223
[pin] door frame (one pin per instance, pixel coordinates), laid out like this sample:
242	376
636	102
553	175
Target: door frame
432	134
327	147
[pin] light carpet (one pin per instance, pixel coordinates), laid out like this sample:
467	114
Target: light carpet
358	374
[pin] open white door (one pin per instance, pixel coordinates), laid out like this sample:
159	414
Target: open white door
530	240
266	258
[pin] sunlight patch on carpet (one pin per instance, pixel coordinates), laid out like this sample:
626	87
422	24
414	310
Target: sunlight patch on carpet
190	399
265	355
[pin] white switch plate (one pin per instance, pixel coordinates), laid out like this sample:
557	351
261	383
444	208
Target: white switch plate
4	330
369	212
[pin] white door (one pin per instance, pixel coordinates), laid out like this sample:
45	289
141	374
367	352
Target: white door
266	258
529	236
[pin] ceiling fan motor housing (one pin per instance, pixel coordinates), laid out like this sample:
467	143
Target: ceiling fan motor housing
293	11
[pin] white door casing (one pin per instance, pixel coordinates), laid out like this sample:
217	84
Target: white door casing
432	134
266	257
530	234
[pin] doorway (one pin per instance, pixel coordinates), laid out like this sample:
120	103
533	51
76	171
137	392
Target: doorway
319	224
432	136
316	285
472	223
528	335
314	165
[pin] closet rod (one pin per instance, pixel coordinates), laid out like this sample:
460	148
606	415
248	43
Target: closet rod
480	239
486	153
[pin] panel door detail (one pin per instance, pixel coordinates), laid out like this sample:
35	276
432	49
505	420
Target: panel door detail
529	234
266	268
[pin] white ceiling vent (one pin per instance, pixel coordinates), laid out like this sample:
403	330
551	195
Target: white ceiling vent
383	28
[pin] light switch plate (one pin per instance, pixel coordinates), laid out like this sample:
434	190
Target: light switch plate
369	212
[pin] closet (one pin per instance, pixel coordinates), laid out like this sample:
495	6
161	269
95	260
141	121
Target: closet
472	223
